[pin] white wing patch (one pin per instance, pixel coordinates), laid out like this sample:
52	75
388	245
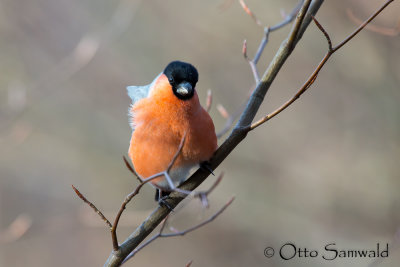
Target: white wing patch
136	93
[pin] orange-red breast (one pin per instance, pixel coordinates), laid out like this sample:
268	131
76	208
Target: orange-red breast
161	114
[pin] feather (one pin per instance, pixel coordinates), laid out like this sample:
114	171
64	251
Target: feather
138	92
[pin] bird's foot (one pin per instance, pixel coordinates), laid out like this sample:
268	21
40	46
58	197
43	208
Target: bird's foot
160	194
205	166
162	202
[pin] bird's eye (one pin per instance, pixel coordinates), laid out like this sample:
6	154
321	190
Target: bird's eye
171	80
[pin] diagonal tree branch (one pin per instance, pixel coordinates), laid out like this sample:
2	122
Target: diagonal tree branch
237	135
177	233
313	77
231	118
284	51
136	191
241	129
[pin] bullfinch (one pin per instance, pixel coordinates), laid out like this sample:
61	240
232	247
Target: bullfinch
164	113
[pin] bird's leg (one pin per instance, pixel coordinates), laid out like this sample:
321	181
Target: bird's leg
158	194
205	166
161	196
162	202
172	187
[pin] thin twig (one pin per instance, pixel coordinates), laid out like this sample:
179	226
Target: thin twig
362	26
193	228
123	206
203	195
324	32
388	31
214	185
178	151
131	169
179	233
238	134
267	30
137	190
230	119
313	77
150	240
92	206
164	223
249	12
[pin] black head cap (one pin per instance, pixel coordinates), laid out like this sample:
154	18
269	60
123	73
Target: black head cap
183	78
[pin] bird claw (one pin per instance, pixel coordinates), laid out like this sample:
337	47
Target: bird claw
205	166
160	194
162	202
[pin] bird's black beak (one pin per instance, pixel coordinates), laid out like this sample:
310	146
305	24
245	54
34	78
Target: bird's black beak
184	89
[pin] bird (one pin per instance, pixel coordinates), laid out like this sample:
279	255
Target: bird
163	114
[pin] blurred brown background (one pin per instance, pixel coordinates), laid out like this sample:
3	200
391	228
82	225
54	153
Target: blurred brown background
326	170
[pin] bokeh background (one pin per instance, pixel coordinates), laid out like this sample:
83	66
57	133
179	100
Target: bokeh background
324	171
